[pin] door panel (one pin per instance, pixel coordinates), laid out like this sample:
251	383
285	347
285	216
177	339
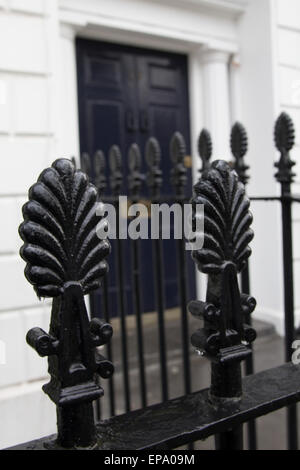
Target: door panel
127	95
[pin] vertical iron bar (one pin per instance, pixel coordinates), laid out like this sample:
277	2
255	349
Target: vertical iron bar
239	148
87	165
289	308
106	316
224	338
135	181
115	160
231	440
101	184
284	140
179	180
154	180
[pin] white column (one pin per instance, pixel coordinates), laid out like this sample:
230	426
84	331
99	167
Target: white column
215	66
235	88
68	127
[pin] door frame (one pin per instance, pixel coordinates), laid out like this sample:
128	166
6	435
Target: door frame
210	73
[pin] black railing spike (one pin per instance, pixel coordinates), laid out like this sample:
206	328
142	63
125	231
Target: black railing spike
85	163
153	159
284	141
116	169
239	148
135	178
65	261
225	339
73	160
99	171
205	149
179	171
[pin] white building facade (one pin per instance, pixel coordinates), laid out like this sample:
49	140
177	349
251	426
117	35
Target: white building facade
244	64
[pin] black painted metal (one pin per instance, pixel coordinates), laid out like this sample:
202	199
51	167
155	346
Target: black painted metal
239	148
154	181
205	149
116	180
196	419
179	180
225	338
284	140
65	261
135	181
99	166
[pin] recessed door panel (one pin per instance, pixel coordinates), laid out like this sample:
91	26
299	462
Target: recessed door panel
127	95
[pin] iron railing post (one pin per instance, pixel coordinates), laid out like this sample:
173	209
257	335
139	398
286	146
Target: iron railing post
239	148
154	181
205	150
65	261
179	180
224	250
284	140
116	180
135	180
99	167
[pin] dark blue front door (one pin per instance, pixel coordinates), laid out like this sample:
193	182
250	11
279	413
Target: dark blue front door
126	95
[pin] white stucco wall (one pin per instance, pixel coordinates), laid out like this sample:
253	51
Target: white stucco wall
39	123
27	145
288	69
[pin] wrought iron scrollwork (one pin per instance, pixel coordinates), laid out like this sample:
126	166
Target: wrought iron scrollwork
65	261
239	148
224	338
205	149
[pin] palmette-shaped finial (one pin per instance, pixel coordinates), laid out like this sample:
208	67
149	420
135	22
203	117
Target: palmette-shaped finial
179	171
284	140
116	169
135	177
205	149
226	238
239	148
66	260
99	171
153	159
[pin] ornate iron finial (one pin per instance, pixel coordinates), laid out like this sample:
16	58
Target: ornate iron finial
225	338
115	163
135	178
284	140
99	171
73	160
239	148
86	165
177	154
66	260
153	158
205	149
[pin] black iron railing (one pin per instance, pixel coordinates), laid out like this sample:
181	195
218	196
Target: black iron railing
65	260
